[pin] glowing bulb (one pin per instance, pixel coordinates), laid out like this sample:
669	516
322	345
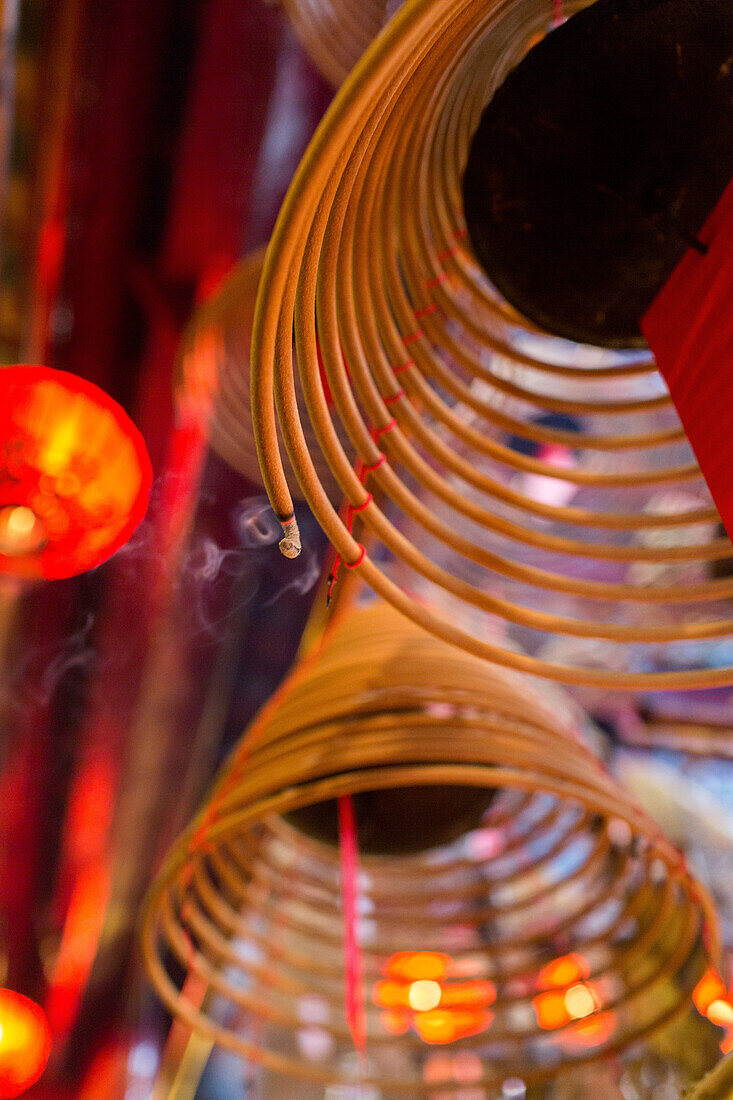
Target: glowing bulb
720	1013
21	520
424	995
21	531
579	1001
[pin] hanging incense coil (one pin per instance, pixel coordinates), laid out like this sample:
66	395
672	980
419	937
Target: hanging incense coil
517	483
335	33
214	370
561	886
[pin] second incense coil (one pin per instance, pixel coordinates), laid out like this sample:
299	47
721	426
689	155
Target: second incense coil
556	927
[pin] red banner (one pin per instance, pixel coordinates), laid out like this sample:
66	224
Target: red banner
689	328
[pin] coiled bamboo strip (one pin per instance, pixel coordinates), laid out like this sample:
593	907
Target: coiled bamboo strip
517	490
248	907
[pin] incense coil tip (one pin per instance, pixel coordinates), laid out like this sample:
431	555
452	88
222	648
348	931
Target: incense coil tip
290	544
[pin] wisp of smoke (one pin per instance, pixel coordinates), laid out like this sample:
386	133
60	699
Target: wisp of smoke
256	523
76	653
257	528
308	572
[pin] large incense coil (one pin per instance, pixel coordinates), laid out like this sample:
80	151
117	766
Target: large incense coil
461	414
214	372
335	33
246	911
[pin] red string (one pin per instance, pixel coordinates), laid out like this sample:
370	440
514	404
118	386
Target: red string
364	471
359	560
353	970
375	465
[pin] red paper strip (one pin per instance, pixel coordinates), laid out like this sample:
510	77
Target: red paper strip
689	328
353	989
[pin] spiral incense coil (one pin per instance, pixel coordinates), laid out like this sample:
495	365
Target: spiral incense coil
335	33
560	927
519	496
214	368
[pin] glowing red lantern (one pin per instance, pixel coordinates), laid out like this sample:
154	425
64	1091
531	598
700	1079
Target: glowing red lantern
568	998
25	1043
75	476
417	991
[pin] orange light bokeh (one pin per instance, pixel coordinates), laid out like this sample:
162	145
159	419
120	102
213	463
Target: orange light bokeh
442	1026
71	455
563	972
462	1010
25	1043
568	1000
713	1000
414	966
710	988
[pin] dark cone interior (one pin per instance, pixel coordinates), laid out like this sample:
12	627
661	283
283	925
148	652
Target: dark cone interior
403	821
599	159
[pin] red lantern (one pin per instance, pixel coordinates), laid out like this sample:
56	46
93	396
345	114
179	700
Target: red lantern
417	991
75	476
25	1043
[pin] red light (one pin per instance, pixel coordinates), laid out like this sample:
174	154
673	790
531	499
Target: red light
25	1043
75	476
551	1011
563	971
450	1024
413	966
568	1000
418	992
709	989
712	999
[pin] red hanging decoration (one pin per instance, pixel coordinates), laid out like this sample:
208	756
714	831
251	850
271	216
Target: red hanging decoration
353	970
75	476
689	327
